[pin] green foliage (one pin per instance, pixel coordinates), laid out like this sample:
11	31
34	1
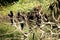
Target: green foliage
5	2
26	5
19	6
6	29
45	5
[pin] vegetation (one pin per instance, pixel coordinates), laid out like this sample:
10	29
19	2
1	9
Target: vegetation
19	6
9	32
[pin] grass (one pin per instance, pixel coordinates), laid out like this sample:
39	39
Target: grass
45	5
7	32
26	5
18	6
6	28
